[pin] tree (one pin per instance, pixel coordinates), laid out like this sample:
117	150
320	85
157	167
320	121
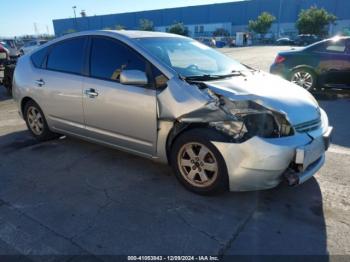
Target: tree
221	32
116	27
83	13
314	21
146	25
263	23
179	29
119	27
69	31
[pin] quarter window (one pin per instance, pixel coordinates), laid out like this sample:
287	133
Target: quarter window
109	58
332	47
38	57
67	56
160	80
338	47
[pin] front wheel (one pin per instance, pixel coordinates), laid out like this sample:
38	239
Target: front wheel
304	77
197	163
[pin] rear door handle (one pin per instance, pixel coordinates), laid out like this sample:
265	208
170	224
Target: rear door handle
40	82
91	93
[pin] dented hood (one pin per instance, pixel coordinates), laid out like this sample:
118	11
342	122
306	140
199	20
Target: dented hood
272	92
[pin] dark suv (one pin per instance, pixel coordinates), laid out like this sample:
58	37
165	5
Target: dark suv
304	40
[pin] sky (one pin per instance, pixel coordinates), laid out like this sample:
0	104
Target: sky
20	17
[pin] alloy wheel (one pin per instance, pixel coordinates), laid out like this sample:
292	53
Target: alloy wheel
197	164
35	120
303	79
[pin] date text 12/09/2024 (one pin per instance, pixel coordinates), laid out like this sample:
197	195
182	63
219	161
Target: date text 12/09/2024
173	258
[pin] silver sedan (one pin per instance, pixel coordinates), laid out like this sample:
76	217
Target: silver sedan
218	123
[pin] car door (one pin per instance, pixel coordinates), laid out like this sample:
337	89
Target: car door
61	85
120	115
332	63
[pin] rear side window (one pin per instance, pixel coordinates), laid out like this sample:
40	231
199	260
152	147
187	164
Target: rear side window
338	47
39	57
109	58
331	47
67	56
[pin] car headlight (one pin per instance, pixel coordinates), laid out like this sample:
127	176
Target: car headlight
252	120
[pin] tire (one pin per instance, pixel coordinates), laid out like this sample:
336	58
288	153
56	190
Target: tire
302	76
41	131
199	139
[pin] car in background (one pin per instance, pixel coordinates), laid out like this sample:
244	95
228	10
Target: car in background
221	43
4	57
4	53
31	45
11	45
172	99
323	64
8	77
285	41
304	40
206	41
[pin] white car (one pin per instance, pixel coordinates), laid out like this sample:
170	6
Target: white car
32	45
10	44
4	56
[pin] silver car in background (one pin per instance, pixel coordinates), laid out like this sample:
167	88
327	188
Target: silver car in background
219	124
31	46
10	44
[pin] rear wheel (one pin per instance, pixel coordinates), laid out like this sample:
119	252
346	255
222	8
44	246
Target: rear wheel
36	122
197	163
304	77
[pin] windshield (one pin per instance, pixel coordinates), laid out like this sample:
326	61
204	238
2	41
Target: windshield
28	44
4	45
189	57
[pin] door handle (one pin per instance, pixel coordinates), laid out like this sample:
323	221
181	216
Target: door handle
91	93
40	82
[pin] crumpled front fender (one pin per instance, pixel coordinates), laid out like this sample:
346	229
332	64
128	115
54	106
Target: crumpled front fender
179	99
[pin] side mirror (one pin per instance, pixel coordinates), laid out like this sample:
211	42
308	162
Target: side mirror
133	77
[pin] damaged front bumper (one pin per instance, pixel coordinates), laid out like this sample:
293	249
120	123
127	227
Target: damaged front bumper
262	163
272	132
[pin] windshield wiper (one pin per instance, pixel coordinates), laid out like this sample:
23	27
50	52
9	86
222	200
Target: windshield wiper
208	77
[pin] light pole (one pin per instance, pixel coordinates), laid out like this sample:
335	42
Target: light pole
75	17
279	19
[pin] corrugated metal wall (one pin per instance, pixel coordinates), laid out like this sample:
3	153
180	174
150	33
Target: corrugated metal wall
238	13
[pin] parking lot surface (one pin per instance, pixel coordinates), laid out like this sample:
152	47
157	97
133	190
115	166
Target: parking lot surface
70	197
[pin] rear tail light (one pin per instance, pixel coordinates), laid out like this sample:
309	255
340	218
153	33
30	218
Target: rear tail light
279	59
